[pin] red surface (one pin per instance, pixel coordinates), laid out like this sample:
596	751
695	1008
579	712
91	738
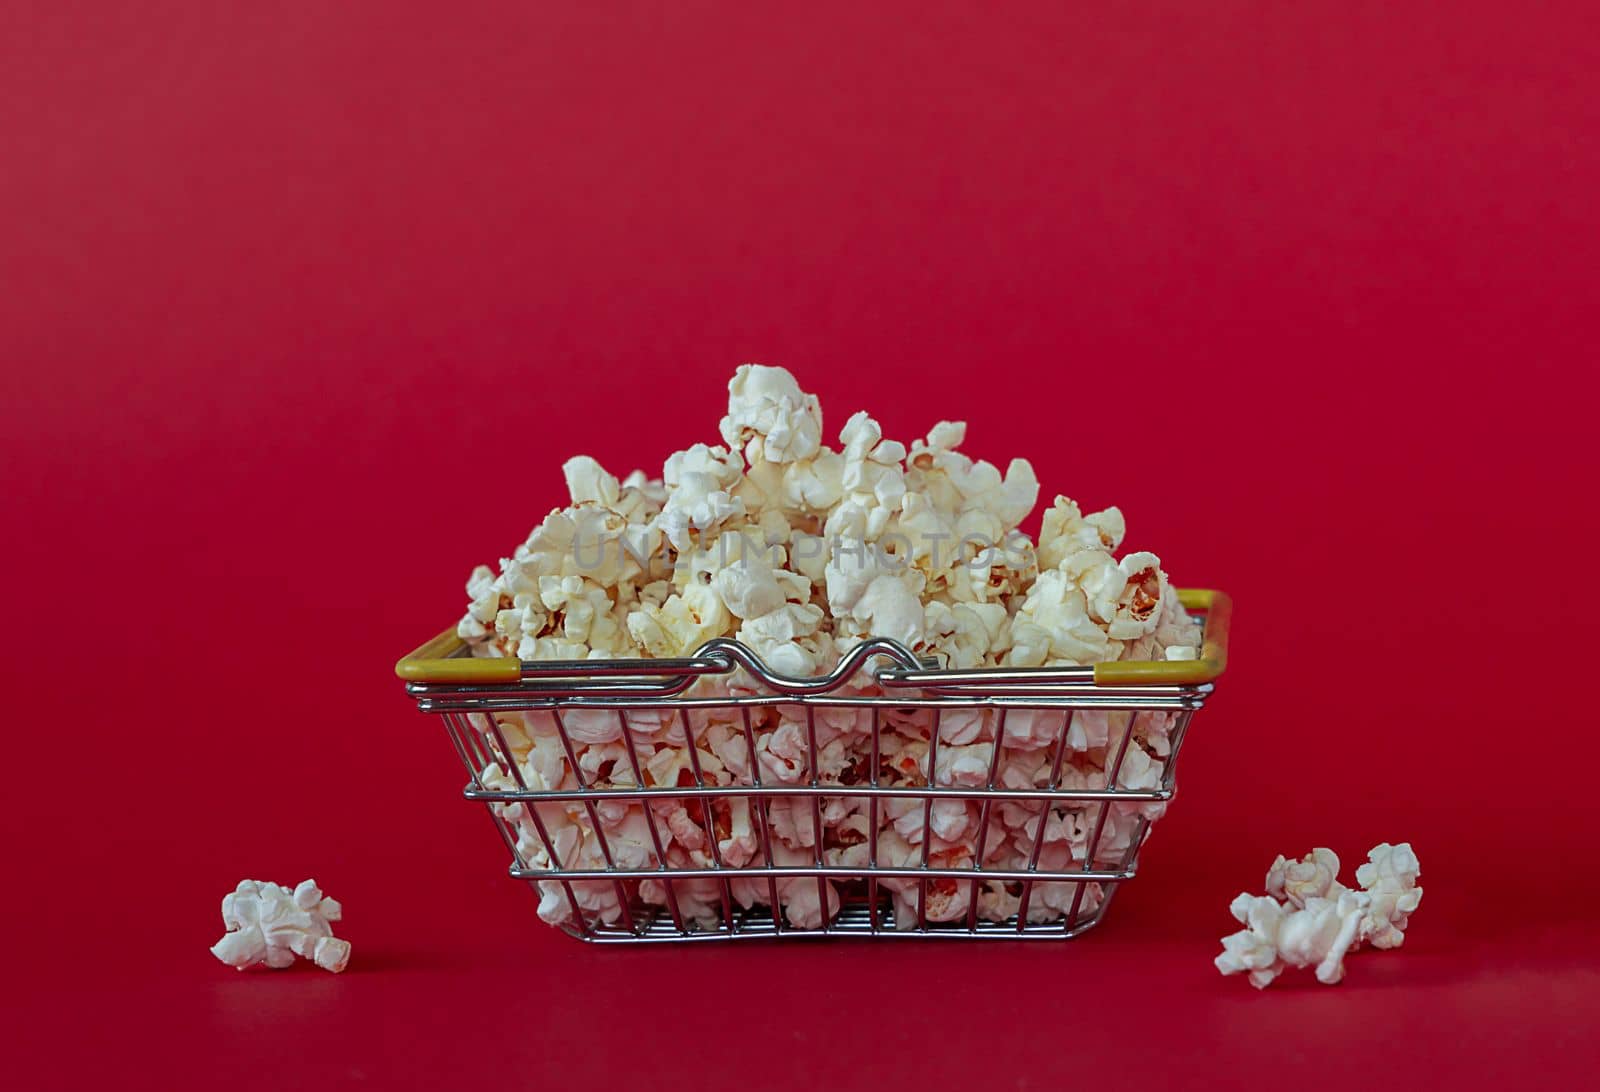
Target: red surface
303	304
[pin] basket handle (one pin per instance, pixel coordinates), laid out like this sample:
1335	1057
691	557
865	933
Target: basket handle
435	661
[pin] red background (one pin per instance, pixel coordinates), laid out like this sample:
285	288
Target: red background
304	303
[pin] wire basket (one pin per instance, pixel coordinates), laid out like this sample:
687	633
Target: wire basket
643	886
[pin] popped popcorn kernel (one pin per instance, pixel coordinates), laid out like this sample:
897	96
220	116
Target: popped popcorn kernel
269	924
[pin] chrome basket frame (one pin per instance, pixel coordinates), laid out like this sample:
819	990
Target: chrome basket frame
467	707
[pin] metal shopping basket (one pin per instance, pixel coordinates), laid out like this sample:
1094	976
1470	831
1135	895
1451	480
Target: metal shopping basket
482	700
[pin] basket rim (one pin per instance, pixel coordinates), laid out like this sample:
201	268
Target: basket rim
443	659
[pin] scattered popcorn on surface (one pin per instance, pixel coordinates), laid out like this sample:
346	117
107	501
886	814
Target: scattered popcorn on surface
1390	878
1308	918
268	923
802	551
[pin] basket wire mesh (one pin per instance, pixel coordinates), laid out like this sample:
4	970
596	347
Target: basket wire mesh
715	899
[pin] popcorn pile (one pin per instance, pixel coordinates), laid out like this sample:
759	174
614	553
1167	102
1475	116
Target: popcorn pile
268	923
801	552
1308	918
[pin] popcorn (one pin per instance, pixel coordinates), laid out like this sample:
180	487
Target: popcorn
1053	626
957	483
1254	949
871	593
484	593
1175	637
815	484
680	625
588	483
1390	878
583	609
1138	772
1065	531
1313	877
699	482
1319	920
873	473
745	582
801	551
1317	935
788	638
966	635
1143	586
770	417
267	923
802	897
1320	934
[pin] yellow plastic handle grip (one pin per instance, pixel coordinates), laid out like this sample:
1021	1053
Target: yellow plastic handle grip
1213	661
435	662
